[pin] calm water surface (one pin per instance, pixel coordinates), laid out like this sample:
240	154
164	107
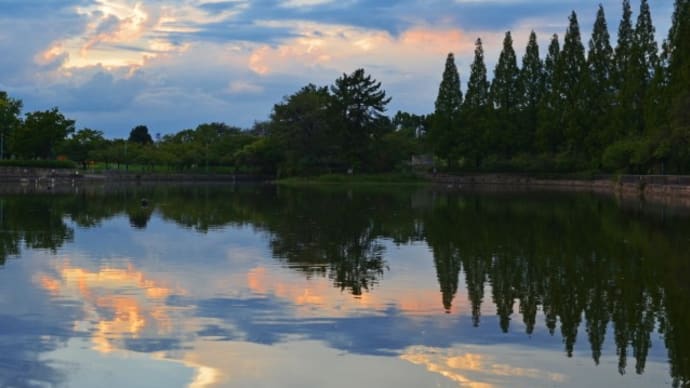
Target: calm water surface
328	287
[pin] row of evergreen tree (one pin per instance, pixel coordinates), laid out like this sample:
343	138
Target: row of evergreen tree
622	108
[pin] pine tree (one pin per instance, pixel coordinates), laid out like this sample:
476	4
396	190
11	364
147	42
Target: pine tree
506	96
359	102
599	88
532	83
444	131
571	77
549	133
476	109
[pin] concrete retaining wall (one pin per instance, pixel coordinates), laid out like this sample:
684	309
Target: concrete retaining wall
641	185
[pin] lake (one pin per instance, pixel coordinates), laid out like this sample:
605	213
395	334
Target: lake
265	286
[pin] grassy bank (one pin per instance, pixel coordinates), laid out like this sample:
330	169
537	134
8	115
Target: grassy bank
364	179
39	163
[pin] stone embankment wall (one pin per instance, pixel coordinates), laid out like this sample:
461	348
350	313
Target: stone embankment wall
40	175
47	176
119	176
642	185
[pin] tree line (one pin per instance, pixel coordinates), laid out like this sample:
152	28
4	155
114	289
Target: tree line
622	108
604	108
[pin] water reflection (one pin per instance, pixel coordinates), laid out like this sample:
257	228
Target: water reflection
346	269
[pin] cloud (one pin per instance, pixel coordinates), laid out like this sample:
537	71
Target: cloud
244	87
343	48
115	63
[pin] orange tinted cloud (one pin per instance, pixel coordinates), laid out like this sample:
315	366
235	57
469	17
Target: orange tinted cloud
118	33
123	302
318	297
343	47
473	369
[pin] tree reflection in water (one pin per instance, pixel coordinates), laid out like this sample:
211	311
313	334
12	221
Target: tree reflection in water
582	263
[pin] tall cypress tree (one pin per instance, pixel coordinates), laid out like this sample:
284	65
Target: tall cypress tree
549	133
571	78
505	87
645	49
476	109
623	121
679	76
643	61
532	73
444	131
477	95
624	46
532	81
599	88
505	97
657	100
449	98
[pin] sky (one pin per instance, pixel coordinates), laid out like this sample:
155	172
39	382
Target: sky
173	64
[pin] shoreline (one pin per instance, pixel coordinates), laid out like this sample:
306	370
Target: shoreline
667	189
657	188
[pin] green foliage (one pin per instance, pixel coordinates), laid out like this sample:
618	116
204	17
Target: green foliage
532	74
302	127
360	179
629	155
549	135
38	163
505	136
40	134
619	109
83	145
679	67
359	104
571	78
263	155
477	96
449	98
532	79
624	119
10	110
599	86
476	111
505	88
445	128
140	134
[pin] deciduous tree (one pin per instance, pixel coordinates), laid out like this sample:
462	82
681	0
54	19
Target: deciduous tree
41	133
140	134
10	109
